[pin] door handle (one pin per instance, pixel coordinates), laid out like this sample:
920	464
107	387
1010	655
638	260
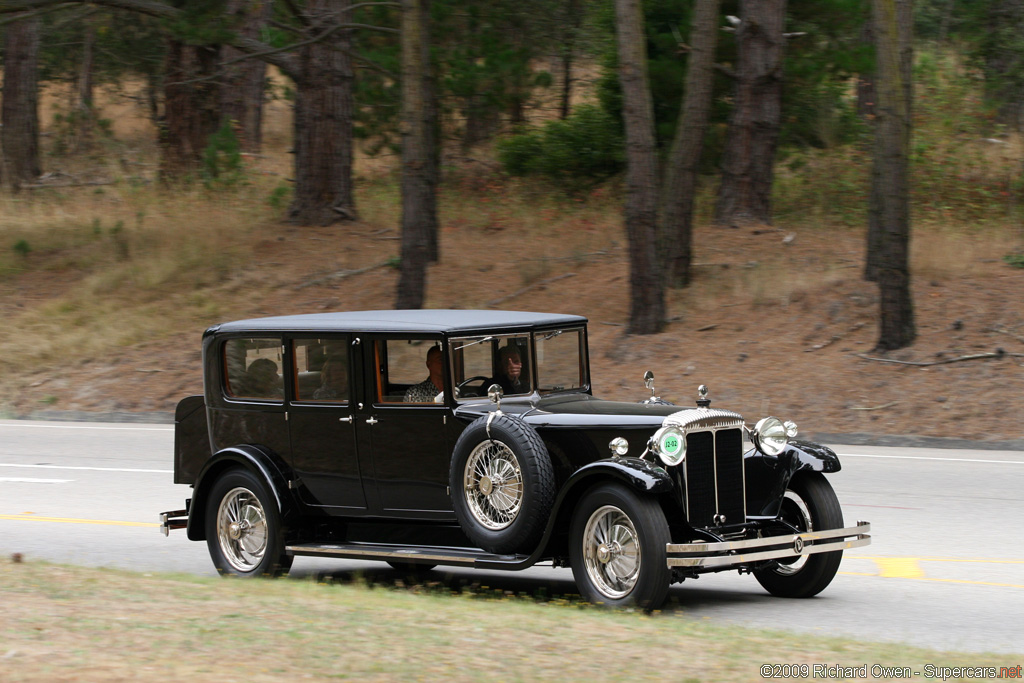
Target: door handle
371	421
345	419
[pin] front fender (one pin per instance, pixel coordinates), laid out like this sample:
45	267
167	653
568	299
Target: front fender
257	460
768	477
641	475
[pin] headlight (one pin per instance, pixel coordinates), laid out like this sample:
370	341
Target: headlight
670	445
771	435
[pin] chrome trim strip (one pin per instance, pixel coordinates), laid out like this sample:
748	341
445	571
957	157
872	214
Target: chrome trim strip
723	554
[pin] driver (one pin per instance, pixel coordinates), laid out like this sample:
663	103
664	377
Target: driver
510	371
425	391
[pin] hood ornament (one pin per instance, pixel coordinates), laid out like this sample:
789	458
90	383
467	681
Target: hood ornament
654	399
702	397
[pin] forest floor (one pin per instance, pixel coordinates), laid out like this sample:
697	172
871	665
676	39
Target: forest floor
105	306
776	322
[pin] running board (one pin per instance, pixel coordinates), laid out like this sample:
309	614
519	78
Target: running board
437	555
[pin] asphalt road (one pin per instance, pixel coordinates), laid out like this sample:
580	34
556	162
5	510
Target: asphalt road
945	569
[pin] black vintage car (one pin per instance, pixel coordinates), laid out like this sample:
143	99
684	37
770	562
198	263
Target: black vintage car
450	437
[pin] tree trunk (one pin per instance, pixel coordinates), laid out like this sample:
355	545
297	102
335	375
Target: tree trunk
1004	61
191	106
432	137
647	294
244	81
20	115
890	173
866	81
571	30
684	159
749	158
415	182
324	111
85	118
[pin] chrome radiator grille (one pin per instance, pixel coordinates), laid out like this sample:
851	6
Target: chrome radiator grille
714	477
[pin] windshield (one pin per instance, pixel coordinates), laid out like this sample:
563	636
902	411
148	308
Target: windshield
560	360
554	362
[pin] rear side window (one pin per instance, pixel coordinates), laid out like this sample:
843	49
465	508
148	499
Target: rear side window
321	370
252	369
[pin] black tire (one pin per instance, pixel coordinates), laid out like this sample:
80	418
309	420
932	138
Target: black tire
810	505
617	548
244	532
503	486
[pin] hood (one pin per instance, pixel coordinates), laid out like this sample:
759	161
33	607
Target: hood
576	410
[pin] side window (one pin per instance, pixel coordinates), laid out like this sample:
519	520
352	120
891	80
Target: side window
321	370
410	370
253	369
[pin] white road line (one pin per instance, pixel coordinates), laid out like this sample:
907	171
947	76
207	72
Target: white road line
23	480
921	457
93	469
98	427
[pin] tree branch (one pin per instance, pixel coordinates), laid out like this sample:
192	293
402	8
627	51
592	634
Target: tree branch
998	353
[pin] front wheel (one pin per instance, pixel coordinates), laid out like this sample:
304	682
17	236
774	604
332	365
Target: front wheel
617	548
810	505
244	532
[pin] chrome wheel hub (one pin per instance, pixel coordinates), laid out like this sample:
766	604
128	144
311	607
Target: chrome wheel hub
486	486
611	552
493	485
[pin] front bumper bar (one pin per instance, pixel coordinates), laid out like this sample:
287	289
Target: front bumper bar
730	553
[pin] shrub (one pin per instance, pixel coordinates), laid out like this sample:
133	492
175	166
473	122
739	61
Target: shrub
586	146
222	158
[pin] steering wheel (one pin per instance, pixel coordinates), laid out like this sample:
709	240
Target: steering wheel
478	391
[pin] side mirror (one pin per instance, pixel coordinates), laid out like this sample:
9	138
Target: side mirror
494	393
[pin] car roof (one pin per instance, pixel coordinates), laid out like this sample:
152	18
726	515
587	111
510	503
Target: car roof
413	321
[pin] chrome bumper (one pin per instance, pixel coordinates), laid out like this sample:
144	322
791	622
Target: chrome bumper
729	553
176	519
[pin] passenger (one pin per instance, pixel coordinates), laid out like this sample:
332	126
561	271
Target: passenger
510	371
425	391
333	379
262	381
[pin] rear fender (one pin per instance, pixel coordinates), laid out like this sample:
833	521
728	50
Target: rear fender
768	477
259	461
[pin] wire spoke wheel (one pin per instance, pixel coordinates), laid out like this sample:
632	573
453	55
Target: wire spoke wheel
242	529
611	552
493	485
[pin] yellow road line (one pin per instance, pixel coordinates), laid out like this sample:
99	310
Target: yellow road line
972	560
67	520
899	568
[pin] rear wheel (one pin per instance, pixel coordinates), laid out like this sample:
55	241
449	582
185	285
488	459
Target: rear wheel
810	505
617	548
244	532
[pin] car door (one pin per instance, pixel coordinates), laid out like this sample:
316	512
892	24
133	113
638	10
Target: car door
411	454
322	421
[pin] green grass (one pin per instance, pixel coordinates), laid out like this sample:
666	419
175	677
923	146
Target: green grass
65	623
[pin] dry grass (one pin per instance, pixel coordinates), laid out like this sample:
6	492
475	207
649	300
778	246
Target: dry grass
68	624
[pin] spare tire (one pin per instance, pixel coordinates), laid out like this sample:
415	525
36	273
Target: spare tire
502	484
